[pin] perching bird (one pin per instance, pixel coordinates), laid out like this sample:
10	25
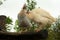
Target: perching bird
38	15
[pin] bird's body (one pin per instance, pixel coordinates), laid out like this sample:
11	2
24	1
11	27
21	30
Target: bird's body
37	15
41	17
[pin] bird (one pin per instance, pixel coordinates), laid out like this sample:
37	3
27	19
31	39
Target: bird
37	15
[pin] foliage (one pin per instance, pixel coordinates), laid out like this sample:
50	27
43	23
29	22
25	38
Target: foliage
57	28
51	35
8	27
8	20
8	23
34	25
30	4
54	30
1	2
16	27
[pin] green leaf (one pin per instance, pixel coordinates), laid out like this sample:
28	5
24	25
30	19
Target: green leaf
1	2
30	4
8	20
28	1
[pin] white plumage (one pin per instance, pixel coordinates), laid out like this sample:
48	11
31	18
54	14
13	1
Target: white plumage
37	15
